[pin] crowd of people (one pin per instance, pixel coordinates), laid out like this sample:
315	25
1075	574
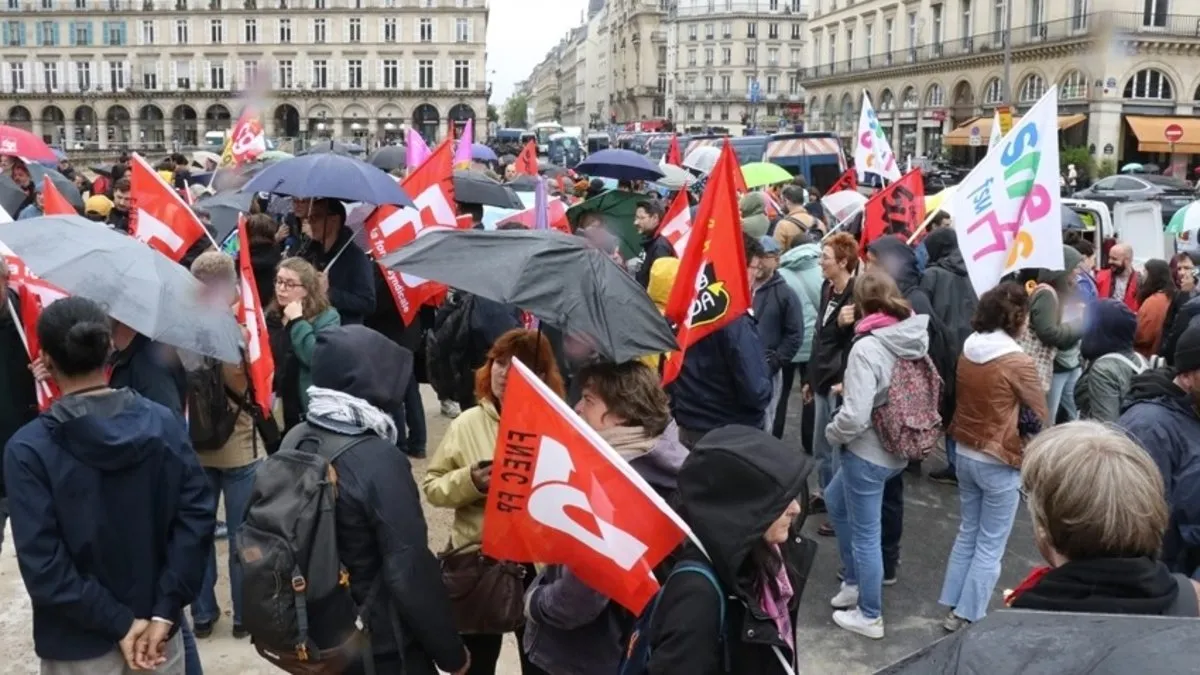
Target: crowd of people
1074	391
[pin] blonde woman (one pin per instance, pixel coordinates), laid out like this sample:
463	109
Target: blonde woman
303	310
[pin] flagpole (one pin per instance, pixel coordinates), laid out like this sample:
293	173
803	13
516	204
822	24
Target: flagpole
12	311
929	216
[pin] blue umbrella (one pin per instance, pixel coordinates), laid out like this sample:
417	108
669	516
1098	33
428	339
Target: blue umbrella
328	175
482	153
619	164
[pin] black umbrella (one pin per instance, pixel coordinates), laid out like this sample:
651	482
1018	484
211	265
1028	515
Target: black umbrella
552	170
559	278
102	169
389	157
508	158
472	187
331	146
524	183
223	210
11	196
66	186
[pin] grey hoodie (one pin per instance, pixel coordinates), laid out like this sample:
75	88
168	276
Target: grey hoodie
868	376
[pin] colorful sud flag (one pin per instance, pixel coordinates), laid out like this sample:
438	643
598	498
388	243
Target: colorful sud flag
711	289
677	223
417	151
158	215
247	141
872	152
847	181
527	161
560	495
260	363
462	154
53	201
674	156
898	208
431	185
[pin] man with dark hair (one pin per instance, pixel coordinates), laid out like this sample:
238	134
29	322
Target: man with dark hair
794	227
118	218
647	218
331	249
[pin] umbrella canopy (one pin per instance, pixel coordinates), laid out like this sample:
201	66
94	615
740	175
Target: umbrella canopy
557	277
274	156
65	185
223	210
329	175
473	187
702	159
675	178
759	174
482	153
1071	220
843	204
1185	219
201	158
389	157
508	159
1133	167
330	146
523	183
11	196
16	142
619	164
616	208
552	170
101	169
137	285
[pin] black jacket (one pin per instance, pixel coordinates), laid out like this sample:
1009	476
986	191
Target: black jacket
1179	317
152	370
832	342
653	248
118	220
264	259
351	282
381	529
780	320
724	380
465	328
19	403
733	485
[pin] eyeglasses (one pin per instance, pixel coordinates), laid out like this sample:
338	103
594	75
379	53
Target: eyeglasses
289	285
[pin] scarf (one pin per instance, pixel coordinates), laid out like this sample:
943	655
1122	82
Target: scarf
629	442
774	603
874	321
1104	586
345	414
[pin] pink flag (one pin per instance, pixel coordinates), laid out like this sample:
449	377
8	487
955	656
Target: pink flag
417	152
462	156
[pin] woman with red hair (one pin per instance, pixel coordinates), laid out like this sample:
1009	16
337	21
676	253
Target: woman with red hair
459	476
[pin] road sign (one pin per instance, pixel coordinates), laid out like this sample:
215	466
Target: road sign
1173	133
976	138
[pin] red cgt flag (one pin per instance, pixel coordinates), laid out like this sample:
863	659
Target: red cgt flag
527	162
899	208
560	495
677	223
389	227
711	289
260	363
53	201
158	215
31	305
847	181
674	155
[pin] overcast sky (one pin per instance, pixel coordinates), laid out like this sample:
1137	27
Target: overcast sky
520	32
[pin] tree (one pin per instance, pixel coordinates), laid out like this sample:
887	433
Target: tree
515	113
493	114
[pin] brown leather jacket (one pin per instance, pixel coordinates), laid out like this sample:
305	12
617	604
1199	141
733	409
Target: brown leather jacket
988	401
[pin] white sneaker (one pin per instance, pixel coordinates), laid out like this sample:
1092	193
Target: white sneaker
854	621
450	409
846	598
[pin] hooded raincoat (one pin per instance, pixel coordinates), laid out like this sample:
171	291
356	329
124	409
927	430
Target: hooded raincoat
800	268
1112	362
754	215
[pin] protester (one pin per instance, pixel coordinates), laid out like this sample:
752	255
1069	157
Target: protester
569	627
647	218
1112	361
381	529
794	227
1098	514
303	311
740	491
410	415
97	208
151	369
464	330
1058	329
1186	280
103	476
1085	275
801	270
264	255
1154	301
1119	280
939	222
754	219
1162	417
118	218
459	475
35	208
344	266
18	399
20	175
995	378
662	280
779	316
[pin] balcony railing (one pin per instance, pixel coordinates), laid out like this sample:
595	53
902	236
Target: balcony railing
740	7
1143	23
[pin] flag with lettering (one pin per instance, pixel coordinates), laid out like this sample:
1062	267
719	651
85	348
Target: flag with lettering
711	288
53	201
431	186
872	152
898	208
674	155
559	494
158	215
527	161
462	155
847	181
677	223
247	141
260	363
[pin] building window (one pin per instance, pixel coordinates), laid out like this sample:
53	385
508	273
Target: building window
81	4
832	48
426	30
912	30
772	84
183	74
216	31
355	29
909	100
727	30
391	74
46	33
389	30
968	26
752	30
817	49
17	76
726	84
692	32
793	85
425	74
83	75
318	30
993	92
1032	88
708	84
50	75
796	31
708	31
708	56
691	59
286	74
724	112
318	4
116	33
751	54
249	72
462	30
354	73
707	111
250	31
727	56
937	25
320	74
869	30
285	31
889	36
1074	87
147	34
772	31
149	78
999	16
773	56
886	101
216	75
1079	14
691	112
1155	12
181	31
936	98
462	74
116	75
1150	84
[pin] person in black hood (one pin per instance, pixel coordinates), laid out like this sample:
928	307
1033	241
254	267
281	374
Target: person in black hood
381	530
1163	417
410	417
647	218
1107	346
19	403
112	515
741	491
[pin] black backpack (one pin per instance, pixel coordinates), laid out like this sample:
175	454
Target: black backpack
296	597
637	651
211	418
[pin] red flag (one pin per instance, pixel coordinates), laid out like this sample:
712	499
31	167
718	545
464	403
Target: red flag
677	223
158	215
527	162
561	495
674	156
260	363
389	227
247	141
711	289
739	180
30	310
899	208
53	201
847	181
557	218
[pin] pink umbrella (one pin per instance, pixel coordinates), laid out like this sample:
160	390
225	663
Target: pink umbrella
17	142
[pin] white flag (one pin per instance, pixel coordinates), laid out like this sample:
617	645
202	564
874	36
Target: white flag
1008	210
996	134
872	152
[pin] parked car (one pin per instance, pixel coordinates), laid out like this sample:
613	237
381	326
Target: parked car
1172	193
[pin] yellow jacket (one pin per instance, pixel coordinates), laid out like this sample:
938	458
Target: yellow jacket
662	278
470	439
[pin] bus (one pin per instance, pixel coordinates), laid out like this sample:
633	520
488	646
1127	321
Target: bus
749	149
543	131
817	156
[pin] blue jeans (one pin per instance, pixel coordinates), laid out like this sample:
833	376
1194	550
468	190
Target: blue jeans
236	485
951	451
855	501
825	454
1062	394
413	440
191	655
989	495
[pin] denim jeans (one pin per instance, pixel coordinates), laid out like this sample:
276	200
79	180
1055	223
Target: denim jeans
825	454
413	439
1062	394
951	451
855	501
989	495
236	485
191	655
772	406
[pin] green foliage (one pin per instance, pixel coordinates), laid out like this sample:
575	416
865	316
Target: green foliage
1085	164
493	115
515	111
1108	167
